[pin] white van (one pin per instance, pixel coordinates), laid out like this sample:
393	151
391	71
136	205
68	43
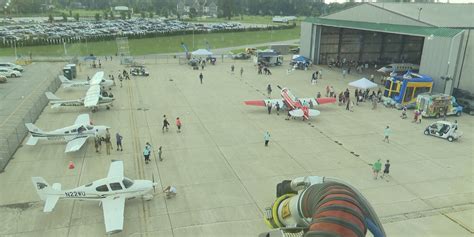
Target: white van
11	66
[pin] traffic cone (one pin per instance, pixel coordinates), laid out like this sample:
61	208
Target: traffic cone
71	165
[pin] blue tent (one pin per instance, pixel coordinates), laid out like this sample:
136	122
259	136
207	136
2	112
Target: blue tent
301	59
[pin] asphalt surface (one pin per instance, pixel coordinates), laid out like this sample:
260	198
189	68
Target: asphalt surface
224	175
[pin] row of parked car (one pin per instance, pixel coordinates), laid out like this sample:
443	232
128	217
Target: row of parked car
82	29
8	70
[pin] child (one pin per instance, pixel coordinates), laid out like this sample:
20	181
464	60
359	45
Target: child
178	124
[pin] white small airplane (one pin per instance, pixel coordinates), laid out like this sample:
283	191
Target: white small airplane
298	107
92	100
110	191
75	135
97	79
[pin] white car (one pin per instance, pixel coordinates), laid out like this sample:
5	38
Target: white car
9	73
444	129
11	66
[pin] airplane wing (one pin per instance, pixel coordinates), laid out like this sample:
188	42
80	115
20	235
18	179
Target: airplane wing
97	78
264	102
82	119
317	101
75	144
113	208
115	169
92	96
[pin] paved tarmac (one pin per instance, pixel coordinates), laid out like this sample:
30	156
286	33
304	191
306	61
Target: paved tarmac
224	175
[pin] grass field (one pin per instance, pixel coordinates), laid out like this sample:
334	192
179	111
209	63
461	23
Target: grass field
167	44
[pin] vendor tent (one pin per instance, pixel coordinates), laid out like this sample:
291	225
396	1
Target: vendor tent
201	52
363	83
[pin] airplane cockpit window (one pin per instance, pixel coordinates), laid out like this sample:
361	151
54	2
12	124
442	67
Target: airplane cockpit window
66	132
88	185
81	129
115	186
102	188
127	183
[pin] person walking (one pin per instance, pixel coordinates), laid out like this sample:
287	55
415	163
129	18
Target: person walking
269	90
166	124
327	91
108	142
178	124
343	73
97	143
374	103
119	139
376	167
201	77
269	107
386	170
266	137
277	106
404	113
241	71
160	152
232	69
386	134
146	152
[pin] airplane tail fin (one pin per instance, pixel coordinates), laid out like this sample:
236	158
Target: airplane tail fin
32	128
51	96
48	194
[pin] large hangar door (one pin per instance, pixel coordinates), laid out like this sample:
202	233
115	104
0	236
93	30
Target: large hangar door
368	46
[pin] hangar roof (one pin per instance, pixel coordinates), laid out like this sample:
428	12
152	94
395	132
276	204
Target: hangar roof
437	14
389	28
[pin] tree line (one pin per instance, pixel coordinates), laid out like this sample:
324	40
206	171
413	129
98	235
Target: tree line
226	8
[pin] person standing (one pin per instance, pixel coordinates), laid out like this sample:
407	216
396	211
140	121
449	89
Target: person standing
386	170
146	152
277	106
232	69
386	134
160	152
266	137
178	124
119	138
343	73
374	103
201	77
269	90
108	142
97	142
165	124
241	71
376	167
269	107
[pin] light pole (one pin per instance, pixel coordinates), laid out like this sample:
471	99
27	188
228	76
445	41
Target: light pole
16	55
419	12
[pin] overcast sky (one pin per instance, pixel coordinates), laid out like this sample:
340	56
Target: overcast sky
451	1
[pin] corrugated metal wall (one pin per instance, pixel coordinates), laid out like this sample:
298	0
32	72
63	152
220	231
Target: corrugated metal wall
465	71
305	39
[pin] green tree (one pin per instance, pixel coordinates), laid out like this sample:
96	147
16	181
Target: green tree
123	15
76	16
143	14
151	14
70	12
106	15
129	14
97	17
227	8
165	12
111	15
192	12
50	18
64	17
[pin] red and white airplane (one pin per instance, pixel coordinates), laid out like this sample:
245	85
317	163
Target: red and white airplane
298	107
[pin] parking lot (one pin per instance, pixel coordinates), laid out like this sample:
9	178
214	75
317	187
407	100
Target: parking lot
224	175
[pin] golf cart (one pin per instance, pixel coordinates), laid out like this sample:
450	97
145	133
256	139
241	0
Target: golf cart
444	129
139	71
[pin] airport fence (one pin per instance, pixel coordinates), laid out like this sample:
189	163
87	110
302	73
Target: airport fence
13	130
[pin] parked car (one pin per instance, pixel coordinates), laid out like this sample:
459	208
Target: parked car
3	79
241	56
444	129
11	66
467	104
9	73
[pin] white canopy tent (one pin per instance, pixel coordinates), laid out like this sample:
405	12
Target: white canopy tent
201	52
363	83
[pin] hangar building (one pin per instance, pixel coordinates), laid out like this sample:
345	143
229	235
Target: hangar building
439	37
